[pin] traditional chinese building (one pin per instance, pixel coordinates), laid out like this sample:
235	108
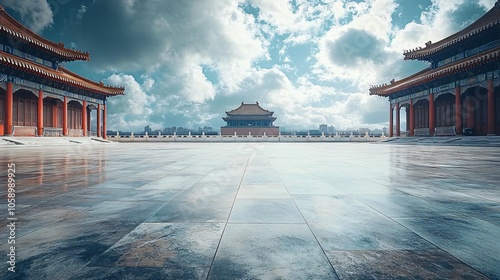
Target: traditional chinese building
38	96
250	119
460	89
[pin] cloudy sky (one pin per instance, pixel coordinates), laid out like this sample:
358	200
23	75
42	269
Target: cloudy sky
184	63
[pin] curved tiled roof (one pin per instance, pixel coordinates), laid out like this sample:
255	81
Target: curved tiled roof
428	74
10	27
251	117
249	109
488	21
61	75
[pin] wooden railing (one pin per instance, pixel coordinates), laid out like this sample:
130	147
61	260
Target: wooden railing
52	131
24	130
75	132
445	131
421	132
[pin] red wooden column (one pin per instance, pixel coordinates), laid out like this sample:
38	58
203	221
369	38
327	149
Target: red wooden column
432	113
40	113
491	108
412	118
104	122
84	118
65	116
9	106
458	110
391	133
98	120
398	122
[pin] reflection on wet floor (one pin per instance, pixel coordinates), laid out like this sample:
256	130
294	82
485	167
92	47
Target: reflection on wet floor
254	211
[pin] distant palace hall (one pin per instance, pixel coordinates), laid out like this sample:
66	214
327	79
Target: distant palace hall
250	119
38	96
459	92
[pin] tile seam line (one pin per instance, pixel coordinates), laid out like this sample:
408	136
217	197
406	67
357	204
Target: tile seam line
307	224
175	197
449	253
432	243
227	220
145	221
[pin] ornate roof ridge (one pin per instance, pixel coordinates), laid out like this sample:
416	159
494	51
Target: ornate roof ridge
12	27
73	74
432	74
244	111
394	82
61	75
490	19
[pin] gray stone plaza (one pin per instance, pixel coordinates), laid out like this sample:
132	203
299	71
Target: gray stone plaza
253	211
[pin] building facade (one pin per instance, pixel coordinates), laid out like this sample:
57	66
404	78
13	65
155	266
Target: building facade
38	96
459	92
250	119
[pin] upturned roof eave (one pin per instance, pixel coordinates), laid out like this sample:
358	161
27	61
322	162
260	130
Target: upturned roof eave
428	74
12	27
488	20
61	75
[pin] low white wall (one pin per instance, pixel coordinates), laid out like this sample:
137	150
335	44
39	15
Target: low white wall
242	138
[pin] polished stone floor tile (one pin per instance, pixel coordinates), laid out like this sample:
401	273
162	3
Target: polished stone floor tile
149	195
344	223
470	240
40	216
200	210
263	191
402	205
172	245
140	273
126	211
361	186
254	211
121	183
320	209
249	251
265	211
261	178
404	264
308	184
225	176
172	182
367	233
65	247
